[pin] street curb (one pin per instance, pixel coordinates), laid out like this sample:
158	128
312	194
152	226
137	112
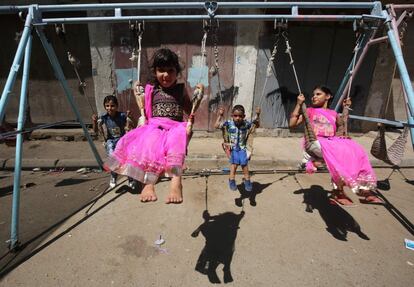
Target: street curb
30	163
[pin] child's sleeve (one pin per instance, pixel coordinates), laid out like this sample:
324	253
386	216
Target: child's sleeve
223	125
100	120
187	105
123	118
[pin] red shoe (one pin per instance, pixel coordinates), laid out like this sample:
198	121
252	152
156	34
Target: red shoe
369	197
340	197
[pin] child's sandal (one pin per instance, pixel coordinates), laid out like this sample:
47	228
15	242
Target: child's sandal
340	197
369	197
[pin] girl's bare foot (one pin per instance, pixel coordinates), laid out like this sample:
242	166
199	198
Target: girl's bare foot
148	193
176	191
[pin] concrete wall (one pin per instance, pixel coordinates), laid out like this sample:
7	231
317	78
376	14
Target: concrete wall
321	51
46	98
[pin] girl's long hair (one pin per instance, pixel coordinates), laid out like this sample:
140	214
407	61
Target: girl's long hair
164	57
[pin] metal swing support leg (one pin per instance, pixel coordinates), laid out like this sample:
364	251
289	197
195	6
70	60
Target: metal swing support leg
402	68
409	111
61	77
14	232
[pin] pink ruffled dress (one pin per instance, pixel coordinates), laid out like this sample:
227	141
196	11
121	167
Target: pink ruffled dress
346	160
159	146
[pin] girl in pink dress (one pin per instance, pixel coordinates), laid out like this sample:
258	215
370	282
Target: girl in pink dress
346	161
159	145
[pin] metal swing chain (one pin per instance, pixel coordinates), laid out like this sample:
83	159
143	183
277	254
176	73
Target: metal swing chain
292	63
310	138
216	70
269	67
203	50
61	32
345	112
138	30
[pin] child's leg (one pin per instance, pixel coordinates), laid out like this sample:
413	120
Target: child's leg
148	193
232	176
110	147
247	183
233	168
176	191
339	195
246	173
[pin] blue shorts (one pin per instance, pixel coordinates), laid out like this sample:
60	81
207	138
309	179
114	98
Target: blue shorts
238	156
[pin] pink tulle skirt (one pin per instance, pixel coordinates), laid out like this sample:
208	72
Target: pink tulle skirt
146	152
348	163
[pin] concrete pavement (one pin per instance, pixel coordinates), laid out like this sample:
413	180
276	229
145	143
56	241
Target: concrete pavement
77	234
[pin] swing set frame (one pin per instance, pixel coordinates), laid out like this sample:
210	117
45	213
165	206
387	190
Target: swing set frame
35	20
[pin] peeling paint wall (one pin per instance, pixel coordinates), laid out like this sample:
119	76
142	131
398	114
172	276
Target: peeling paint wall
102	58
245	64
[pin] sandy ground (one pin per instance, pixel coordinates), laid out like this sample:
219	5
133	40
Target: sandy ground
76	234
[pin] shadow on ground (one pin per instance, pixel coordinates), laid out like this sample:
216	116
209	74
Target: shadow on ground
338	221
44	208
220	232
251	195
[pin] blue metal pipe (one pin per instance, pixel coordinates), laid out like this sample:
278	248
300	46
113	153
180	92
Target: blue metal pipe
19	142
340	93
397	124
176	18
61	77
410	112
15	66
191	5
402	68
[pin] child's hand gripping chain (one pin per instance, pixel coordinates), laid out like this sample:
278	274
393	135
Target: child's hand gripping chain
129	123
226	141
196	101
255	124
97	127
139	97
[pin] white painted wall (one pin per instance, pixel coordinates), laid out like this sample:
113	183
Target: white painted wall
245	64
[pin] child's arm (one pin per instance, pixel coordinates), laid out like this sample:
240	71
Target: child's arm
256	121
341	127
187	104
295	117
139	98
219	120
97	126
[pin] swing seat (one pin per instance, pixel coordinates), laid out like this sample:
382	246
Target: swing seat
313	148
394	154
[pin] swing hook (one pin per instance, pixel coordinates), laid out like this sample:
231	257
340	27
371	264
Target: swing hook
280	25
211	8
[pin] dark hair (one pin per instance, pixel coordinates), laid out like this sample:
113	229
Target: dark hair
165	58
239	108
109	98
324	89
